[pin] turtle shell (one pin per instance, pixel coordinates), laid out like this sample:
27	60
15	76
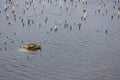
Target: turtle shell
32	47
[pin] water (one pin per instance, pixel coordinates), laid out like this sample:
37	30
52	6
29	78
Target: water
84	46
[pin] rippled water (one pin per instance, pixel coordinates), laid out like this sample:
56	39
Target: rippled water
72	48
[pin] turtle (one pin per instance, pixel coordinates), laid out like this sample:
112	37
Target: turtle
32	47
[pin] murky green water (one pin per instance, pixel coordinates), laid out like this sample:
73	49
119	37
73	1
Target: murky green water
80	39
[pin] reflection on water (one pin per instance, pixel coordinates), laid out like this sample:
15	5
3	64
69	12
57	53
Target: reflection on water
29	51
23	50
80	39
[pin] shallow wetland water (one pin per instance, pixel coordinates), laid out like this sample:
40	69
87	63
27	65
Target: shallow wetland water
80	39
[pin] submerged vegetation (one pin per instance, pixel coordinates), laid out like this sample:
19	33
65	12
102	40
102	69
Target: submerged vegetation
51	16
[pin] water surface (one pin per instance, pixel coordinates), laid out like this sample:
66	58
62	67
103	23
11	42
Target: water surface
79	42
